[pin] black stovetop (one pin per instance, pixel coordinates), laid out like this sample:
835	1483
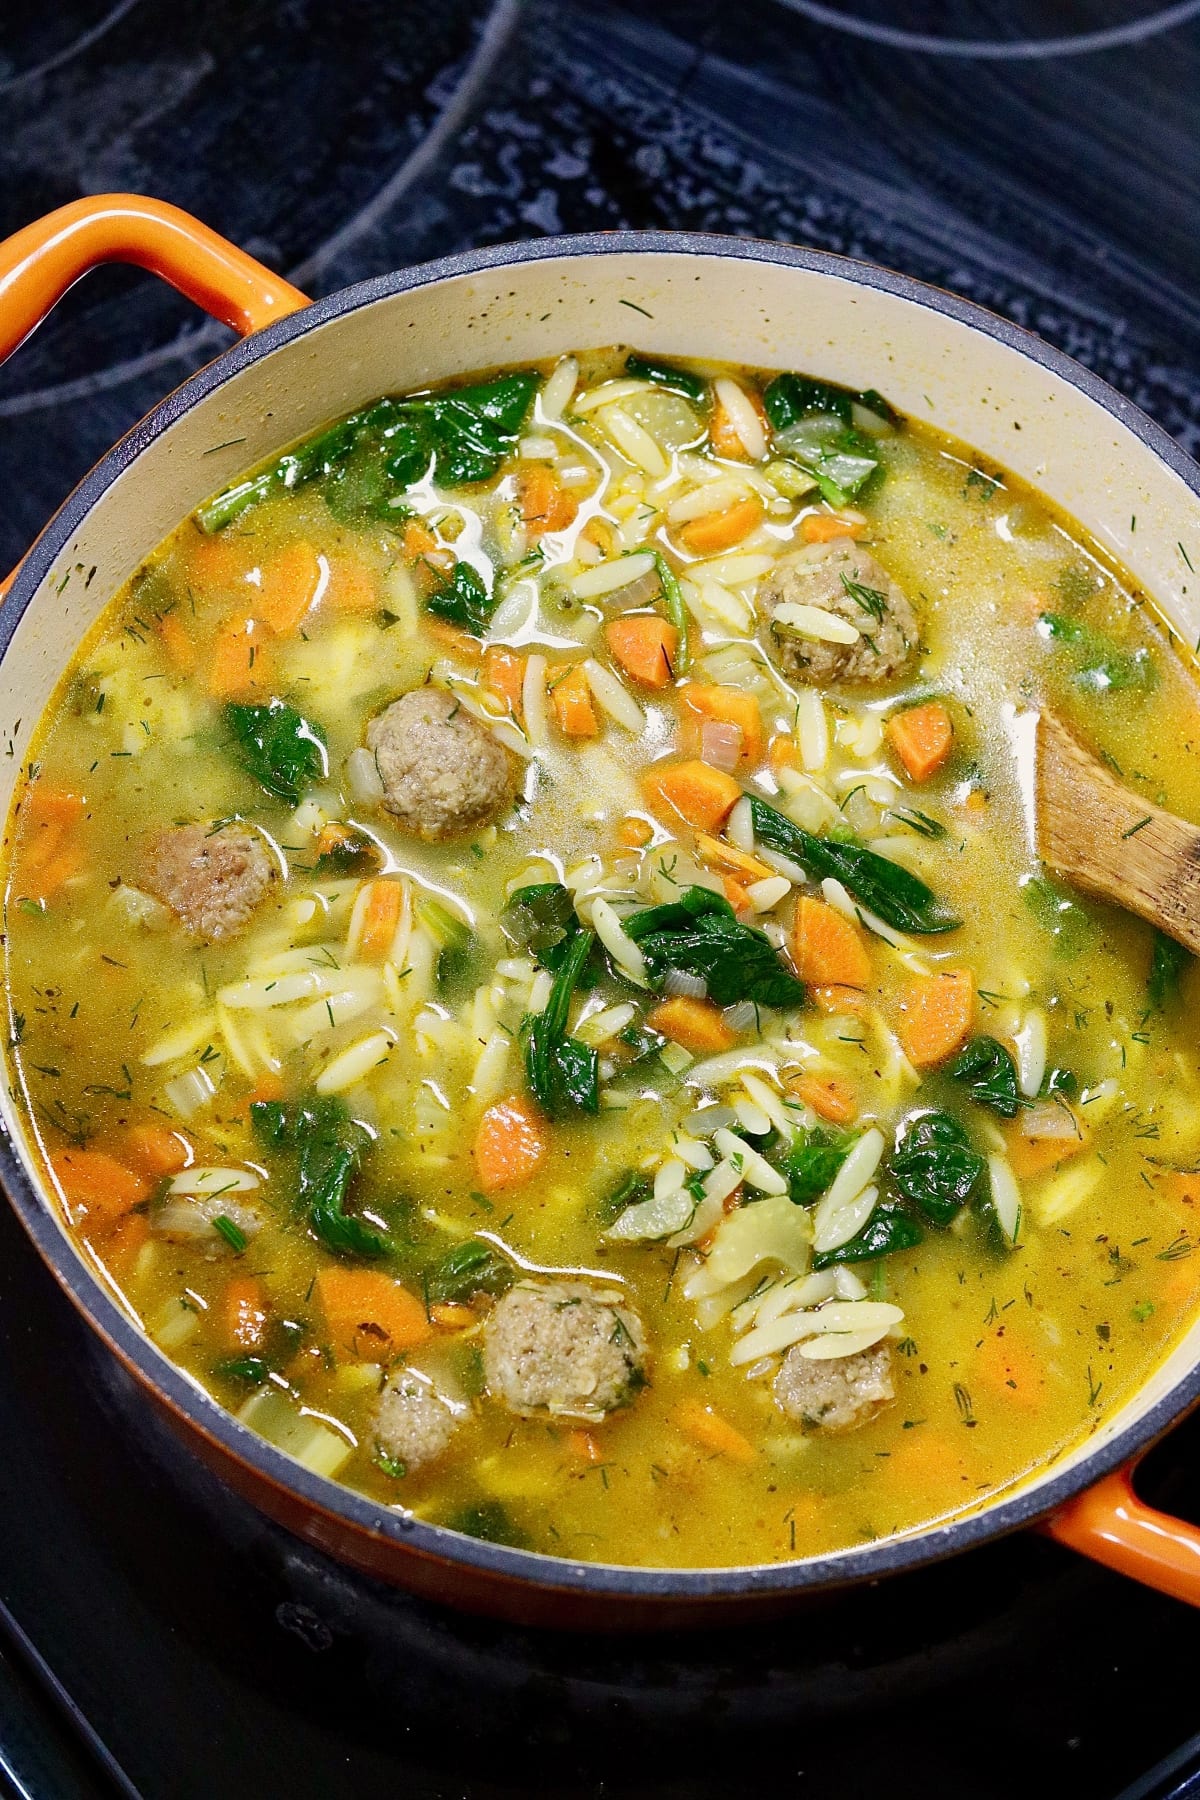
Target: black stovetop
1044	158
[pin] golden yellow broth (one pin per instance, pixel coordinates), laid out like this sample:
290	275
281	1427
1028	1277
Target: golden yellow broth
1006	1358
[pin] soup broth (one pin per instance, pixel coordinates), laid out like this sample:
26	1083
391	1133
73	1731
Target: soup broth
529	977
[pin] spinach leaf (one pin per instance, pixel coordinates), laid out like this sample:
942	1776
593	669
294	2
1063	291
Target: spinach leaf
1168	960
812	421
935	1166
988	1072
328	1147
368	459
899	898
1058	1081
489	1520
889	1228
563	1074
1101	665
666	375
700	935
278	746
1055	911
541	919
253	1370
463	599
472	1267
811	1161
342	850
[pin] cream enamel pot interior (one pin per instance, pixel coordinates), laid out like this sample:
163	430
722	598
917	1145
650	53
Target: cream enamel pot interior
1000	390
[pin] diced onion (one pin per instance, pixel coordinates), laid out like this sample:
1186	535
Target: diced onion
1052	1119
742	1015
186	1094
721	744
707	1119
678	982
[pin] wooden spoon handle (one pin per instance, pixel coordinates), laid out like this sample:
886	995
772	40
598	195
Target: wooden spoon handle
1112	843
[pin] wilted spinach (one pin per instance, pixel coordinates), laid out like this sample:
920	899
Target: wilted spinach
699	934
280	748
989	1074
328	1147
935	1166
899	898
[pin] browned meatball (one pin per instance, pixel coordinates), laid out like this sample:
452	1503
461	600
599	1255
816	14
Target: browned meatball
413	1424
214	879
837	1393
563	1347
443	772
845	580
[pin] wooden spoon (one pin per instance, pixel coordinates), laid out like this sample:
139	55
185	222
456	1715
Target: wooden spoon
1111	842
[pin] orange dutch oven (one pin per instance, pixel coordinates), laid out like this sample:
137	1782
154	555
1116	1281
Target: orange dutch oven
300	363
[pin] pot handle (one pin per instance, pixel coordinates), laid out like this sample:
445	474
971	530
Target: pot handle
40	263
1111	1525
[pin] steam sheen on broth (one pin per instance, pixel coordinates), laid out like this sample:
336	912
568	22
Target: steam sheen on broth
528	975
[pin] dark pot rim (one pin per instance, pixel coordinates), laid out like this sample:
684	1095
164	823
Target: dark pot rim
343	1506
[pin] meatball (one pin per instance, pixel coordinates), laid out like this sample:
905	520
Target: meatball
846	581
838	1393
215	879
443	772
191	1219
563	1347
413	1424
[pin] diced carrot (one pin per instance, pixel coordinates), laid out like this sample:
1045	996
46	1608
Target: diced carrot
1181	1186
706	1427
385	901
922	737
823	528
936	1014
783	752
269	1086
219	564
721	531
828	948
1030	1155
585	1445
425	553
727	706
181	651
600	533
45	882
1179	1287
645	646
571	698
634	833
504	676
289	583
737	895
510	1145
451	1317
369	1315
703	796
976	801
48	816
157	1150
121	1243
352	587
927	1458
832	997
545	506
729	859
455	639
336	837
238	662
696	1024
244	1313
1007	1366
96	1187
829	1098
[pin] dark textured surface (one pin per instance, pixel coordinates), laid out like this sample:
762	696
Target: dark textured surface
336	143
